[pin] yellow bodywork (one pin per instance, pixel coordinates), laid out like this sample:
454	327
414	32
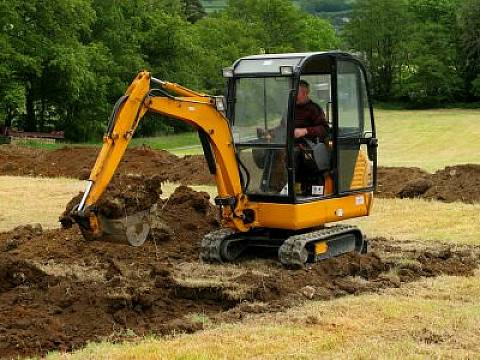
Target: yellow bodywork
302	216
199	110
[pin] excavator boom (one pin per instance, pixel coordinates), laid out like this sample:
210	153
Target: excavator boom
194	108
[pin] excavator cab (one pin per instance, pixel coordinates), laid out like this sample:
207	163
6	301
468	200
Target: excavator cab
261	99
273	192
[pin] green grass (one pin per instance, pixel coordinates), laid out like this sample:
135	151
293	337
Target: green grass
181	143
429	139
45	146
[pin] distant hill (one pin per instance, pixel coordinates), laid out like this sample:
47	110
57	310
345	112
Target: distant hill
336	11
214	5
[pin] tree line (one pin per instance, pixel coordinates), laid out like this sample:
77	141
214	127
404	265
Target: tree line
422	52
63	63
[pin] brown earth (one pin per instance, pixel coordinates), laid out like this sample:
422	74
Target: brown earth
58	291
124	195
391	180
454	183
76	162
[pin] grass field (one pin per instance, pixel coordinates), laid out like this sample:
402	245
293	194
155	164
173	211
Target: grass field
431	318
27	200
429	139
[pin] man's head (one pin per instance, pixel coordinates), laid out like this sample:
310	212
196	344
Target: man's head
303	92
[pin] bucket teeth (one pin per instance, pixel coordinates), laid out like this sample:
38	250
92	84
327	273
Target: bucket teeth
132	229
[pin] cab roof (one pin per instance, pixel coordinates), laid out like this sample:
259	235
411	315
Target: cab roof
304	55
269	63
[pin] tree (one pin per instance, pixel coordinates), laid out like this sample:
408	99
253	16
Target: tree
36	32
379	30
277	23
64	63
193	10
469	38
432	74
319	34
220	48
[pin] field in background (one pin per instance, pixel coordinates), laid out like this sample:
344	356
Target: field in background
429	139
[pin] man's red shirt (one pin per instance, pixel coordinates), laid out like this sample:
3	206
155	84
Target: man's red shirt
312	117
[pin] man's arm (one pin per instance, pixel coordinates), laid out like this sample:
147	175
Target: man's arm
319	126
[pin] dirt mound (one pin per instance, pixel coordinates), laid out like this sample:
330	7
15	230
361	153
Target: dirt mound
411	264
454	183
391	180
58	291
76	162
67	291
124	195
15	273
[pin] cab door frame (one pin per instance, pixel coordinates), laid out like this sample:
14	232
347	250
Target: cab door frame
349	141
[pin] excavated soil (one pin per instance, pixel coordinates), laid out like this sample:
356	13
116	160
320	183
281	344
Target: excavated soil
454	183
59	291
76	162
124	195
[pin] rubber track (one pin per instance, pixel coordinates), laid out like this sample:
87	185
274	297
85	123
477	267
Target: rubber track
211	245
293	251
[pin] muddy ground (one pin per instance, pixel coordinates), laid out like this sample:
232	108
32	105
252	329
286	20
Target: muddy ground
58	291
454	183
77	162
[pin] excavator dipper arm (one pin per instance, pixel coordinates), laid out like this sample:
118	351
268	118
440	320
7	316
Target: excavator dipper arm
196	109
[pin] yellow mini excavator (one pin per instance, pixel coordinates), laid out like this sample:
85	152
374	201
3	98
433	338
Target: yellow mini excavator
266	199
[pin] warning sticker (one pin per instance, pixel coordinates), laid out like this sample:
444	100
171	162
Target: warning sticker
359	200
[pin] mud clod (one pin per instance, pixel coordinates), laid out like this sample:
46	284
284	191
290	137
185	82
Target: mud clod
414	188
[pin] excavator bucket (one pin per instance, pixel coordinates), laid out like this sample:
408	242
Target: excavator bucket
132	229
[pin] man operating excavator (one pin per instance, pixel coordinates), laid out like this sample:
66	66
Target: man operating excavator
310	119
311	134
254	213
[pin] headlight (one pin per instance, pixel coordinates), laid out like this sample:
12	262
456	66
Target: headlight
286	70
227	72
